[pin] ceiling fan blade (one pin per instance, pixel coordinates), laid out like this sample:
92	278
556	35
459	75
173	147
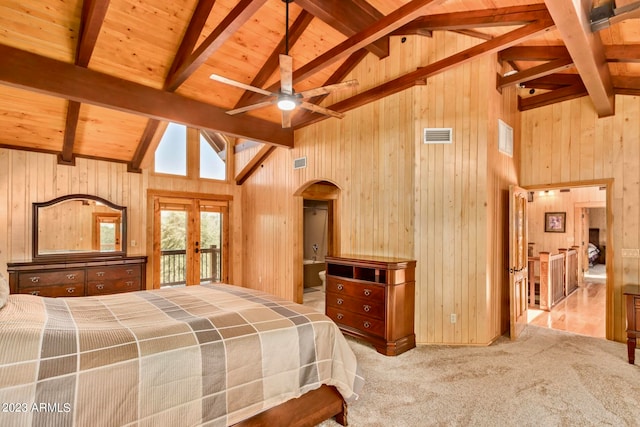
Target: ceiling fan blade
252	107
286	119
286	74
318	109
225	80
324	90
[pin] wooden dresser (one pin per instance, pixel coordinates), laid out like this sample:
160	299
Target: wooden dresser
78	278
632	300
373	299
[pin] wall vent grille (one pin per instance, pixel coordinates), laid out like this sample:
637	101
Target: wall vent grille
438	135
300	163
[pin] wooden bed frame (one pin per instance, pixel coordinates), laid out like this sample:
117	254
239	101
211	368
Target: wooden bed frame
307	410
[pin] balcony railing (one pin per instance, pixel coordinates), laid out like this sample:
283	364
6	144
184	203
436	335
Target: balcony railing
173	266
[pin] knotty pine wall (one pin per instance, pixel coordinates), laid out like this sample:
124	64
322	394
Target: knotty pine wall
399	197
568	143
27	177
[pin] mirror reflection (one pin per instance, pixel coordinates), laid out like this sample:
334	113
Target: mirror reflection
78	224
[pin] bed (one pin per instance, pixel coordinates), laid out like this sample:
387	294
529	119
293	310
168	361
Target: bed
214	355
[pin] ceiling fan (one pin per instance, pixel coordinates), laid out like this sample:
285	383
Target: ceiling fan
287	99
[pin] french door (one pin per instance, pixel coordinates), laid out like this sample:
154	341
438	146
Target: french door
190	241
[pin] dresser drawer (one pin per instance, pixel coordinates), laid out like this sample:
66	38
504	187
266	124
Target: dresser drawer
50	278
103	287
72	290
361	323
364	307
348	287
113	272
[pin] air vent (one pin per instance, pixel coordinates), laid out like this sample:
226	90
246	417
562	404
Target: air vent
300	162
438	136
505	138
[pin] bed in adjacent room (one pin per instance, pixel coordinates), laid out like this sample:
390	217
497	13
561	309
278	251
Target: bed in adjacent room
213	355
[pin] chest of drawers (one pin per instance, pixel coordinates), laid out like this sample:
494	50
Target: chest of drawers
632	301
68	279
373	299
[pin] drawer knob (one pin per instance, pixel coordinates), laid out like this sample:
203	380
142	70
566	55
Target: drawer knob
100	286
34	279
366	308
71	276
340	301
129	272
367	292
340	316
71	290
130	283
35	293
367	324
100	273
340	286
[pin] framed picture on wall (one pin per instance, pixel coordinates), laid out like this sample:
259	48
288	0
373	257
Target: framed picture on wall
555	222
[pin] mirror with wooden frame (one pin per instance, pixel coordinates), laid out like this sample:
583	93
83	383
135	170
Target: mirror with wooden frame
79	226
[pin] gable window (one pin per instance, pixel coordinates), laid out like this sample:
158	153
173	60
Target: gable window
191	153
171	154
213	151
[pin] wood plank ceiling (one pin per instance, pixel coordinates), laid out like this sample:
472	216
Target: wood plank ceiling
97	78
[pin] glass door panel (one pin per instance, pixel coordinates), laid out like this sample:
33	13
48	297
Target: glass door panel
173	245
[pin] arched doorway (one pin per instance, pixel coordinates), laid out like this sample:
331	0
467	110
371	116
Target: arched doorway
318	232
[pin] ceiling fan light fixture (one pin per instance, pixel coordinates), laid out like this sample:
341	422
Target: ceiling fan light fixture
287	103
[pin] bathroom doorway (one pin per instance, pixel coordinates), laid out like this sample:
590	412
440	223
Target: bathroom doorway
319	236
316	234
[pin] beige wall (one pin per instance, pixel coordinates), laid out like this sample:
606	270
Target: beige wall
567	142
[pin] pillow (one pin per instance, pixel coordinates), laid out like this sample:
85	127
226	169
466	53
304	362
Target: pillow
4	291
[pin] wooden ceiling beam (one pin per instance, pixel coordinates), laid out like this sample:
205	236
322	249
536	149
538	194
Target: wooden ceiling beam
190	38
254	163
523	76
143	146
348	17
533	53
93	13
408	80
586	49
23	70
238	16
613	53
468	20
626	85
564	94
391	22
553	81
622	53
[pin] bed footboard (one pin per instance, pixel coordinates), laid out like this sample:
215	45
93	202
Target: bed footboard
307	410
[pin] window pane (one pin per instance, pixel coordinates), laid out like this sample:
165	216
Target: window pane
212	164
171	154
211	245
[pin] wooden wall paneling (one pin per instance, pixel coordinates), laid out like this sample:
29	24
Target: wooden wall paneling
618	138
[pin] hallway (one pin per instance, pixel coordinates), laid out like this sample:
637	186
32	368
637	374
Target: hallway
582	312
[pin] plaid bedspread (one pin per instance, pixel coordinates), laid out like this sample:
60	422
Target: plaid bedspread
200	355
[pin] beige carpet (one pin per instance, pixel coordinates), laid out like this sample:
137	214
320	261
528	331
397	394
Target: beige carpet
546	378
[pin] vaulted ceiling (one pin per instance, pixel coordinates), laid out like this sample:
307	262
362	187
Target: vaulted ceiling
99	78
